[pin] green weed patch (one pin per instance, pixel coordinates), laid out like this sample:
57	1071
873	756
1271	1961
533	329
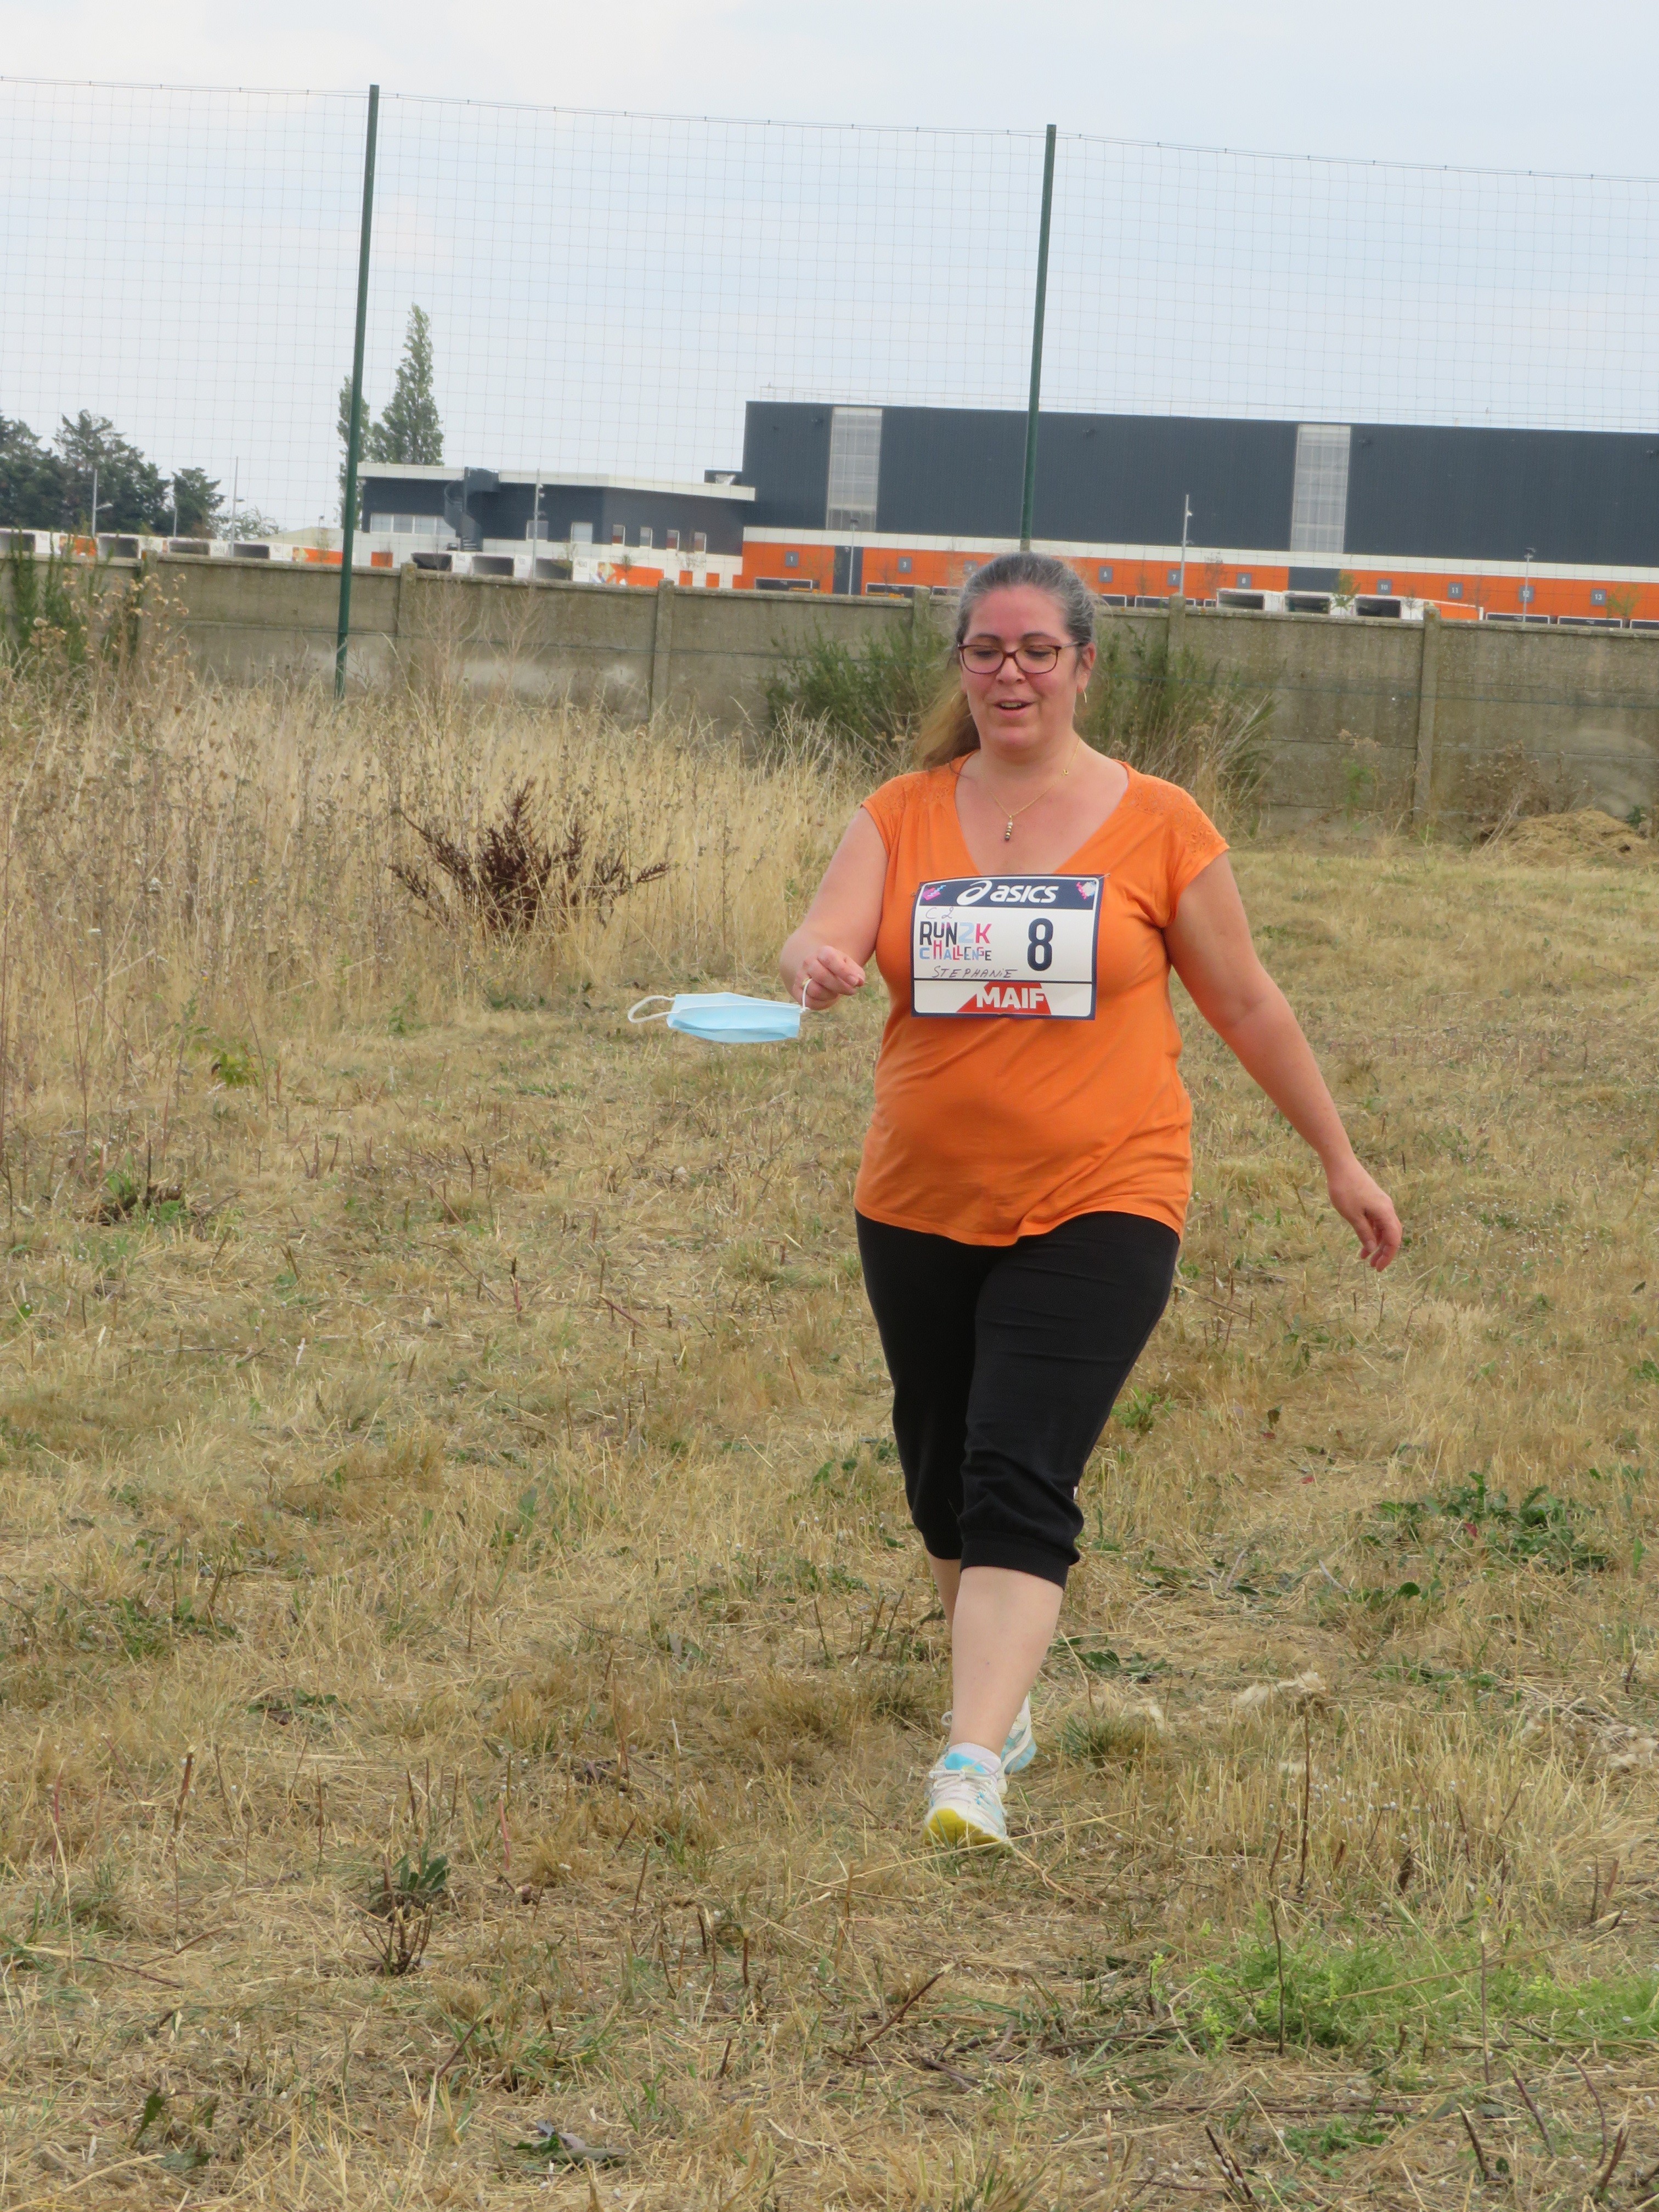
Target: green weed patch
1373	1995
1469	1522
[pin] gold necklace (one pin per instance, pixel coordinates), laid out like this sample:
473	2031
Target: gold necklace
1011	819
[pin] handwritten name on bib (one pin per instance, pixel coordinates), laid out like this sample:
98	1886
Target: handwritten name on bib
1024	946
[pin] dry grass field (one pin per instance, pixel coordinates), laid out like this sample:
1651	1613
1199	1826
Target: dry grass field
467	1676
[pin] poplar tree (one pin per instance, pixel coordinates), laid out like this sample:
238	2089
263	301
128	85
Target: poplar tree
411	431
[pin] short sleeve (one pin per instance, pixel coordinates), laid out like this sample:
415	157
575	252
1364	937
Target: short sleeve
1191	841
886	807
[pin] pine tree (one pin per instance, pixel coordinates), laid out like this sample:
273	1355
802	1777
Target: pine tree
200	501
131	495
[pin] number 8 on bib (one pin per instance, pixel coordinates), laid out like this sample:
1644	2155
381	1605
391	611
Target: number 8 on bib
1020	946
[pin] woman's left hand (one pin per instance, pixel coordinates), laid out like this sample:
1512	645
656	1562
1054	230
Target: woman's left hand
1367	1209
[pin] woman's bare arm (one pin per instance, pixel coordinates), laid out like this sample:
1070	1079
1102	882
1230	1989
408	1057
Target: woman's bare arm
826	956
1211	951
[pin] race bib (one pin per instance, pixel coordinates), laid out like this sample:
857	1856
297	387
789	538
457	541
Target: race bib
1020	945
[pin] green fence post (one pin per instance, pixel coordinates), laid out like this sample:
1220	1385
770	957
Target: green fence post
1029	501
355	431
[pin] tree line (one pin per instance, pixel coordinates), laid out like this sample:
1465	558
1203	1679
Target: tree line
49	485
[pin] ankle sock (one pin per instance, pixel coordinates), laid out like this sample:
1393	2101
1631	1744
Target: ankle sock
960	1755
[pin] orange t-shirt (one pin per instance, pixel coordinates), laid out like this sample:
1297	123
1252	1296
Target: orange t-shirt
1029	1069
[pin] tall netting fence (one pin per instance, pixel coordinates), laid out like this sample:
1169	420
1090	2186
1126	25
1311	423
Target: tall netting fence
181	266
604	292
1188	281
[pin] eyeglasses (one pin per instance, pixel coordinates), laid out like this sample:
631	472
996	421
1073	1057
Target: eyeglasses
985	657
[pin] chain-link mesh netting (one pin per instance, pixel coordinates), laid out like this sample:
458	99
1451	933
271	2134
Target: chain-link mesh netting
1185	281
184	264
605	292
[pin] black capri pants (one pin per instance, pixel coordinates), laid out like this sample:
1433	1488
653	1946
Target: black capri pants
1006	1361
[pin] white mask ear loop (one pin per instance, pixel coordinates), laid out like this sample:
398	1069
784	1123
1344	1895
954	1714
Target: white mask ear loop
805	986
636	1017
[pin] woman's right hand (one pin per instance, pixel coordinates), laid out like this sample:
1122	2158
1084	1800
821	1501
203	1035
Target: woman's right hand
847	910
823	976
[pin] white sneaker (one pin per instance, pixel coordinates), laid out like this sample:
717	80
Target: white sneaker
1020	1749
964	1803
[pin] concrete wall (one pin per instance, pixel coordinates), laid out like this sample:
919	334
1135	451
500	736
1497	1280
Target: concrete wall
1391	718
632	652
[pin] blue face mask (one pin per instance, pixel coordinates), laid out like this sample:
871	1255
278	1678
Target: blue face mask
727	1017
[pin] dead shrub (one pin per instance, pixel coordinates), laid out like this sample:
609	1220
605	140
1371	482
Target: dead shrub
1508	784
513	879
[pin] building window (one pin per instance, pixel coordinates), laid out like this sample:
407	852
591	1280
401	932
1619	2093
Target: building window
619	533
854	468
383	522
1599	596
539	526
1319	495
905	564
1454	591
1244	580
671	540
699	541
792	560
1385	586
1105	575
648	535
581	533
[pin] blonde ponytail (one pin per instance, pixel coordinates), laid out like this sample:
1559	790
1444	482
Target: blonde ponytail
947	729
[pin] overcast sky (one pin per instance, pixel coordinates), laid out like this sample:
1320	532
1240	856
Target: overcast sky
1520	83
607	293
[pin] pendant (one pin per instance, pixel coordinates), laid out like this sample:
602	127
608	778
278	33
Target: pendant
1008	833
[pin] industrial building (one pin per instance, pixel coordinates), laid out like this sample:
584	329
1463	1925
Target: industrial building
1377	518
1508	525
600	529
1512	525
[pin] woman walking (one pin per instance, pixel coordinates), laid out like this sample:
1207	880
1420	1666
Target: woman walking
1027	1170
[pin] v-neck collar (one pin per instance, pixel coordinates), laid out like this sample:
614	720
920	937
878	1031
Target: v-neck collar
1068	866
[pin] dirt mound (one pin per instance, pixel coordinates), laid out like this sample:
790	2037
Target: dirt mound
1586	834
